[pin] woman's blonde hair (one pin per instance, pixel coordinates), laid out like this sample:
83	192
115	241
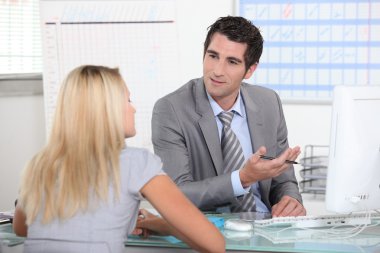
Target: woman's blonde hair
81	159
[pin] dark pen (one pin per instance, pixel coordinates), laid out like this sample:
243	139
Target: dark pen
271	158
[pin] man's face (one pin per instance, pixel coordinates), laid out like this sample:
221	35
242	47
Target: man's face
224	69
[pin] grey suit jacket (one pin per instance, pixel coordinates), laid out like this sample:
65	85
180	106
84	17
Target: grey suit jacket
185	136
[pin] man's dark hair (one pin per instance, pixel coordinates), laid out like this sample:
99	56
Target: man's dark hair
238	29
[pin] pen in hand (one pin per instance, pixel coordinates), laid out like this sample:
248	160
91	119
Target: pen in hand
271	158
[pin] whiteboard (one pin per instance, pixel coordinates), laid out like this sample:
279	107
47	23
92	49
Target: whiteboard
311	46
138	37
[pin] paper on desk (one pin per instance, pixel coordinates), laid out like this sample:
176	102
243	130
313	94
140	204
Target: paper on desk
217	221
6	216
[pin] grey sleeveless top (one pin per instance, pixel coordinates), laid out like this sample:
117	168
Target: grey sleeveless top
105	227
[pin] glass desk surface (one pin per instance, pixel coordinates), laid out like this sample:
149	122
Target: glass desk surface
261	239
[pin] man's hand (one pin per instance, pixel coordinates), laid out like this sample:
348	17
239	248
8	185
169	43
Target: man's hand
288	206
257	169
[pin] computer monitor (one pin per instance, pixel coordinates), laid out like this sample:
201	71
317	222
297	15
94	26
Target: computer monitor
353	175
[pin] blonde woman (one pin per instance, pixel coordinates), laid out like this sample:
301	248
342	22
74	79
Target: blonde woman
81	193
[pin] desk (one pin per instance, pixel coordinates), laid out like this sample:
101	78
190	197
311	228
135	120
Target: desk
260	240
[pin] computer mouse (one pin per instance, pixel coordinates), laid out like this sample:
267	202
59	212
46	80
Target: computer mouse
238	225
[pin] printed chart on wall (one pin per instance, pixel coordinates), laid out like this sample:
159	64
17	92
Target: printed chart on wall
311	46
138	37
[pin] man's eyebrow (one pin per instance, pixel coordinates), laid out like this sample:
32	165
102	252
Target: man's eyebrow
211	51
230	58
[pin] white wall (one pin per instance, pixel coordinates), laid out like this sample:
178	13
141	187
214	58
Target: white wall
22	134
22	127
193	19
308	124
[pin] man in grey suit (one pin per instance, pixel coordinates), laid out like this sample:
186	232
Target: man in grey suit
187	130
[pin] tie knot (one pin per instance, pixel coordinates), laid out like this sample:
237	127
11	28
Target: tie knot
226	118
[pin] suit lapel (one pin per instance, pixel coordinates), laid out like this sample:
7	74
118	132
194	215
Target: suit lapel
208	126
257	131
254	119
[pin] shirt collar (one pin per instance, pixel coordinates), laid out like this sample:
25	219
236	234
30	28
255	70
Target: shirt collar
237	107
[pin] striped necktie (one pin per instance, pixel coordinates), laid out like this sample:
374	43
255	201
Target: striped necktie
233	159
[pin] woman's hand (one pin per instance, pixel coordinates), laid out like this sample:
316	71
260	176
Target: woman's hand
150	224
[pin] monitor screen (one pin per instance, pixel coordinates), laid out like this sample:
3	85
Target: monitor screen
353	175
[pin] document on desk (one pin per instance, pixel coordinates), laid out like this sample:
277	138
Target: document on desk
6	217
136	240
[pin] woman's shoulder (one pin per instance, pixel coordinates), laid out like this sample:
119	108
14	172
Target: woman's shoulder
139	157
138	166
136	152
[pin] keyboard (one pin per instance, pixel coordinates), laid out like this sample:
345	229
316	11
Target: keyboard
319	221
